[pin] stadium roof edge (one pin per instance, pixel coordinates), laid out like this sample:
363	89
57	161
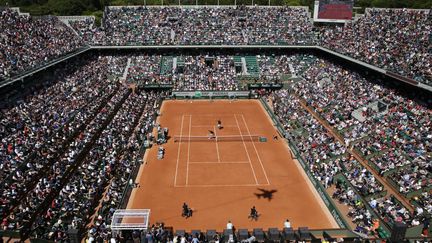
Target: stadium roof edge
207	46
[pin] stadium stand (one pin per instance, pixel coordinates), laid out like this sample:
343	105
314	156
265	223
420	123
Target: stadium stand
89	33
206	73
33	137
61	190
108	157
394	39
72	145
199	26
28	42
378	134
145	70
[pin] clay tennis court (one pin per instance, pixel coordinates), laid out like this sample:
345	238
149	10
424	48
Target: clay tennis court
222	179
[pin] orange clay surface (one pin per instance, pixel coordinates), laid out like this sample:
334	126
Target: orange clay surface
221	181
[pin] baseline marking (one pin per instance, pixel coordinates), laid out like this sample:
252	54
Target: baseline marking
219	162
211	126
256	151
247	153
222	185
178	152
187	164
217	146
212	115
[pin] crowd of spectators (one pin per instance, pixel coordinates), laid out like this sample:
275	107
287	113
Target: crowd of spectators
117	65
390	160
316	146
199	26
129	160
28	42
76	113
360	215
204	73
273	68
89	32
391	210
55	125
423	203
198	72
41	125
53	178
321	152
44	134
76	202
359	177
145	69
396	139
382	37
397	40
312	139
335	93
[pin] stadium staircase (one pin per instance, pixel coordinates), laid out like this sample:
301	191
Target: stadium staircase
244	66
172	35
179	63
238	64
167	65
126	71
252	66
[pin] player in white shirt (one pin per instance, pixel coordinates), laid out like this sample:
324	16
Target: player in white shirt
229	225
287	224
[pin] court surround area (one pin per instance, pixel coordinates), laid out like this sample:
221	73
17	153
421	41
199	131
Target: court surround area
222	177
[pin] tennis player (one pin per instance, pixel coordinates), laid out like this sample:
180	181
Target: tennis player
211	134
219	124
253	214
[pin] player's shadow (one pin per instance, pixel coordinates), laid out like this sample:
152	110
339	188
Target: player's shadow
265	194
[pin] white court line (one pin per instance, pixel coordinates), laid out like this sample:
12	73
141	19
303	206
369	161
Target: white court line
178	152
217	146
247	153
219	115
219	162
256	151
211	126
229	185
187	165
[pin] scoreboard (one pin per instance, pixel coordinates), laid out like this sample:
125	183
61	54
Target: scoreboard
333	10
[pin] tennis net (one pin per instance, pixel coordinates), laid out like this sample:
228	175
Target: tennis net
240	138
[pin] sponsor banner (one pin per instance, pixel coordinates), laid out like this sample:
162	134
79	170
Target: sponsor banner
199	94
158	86
265	86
